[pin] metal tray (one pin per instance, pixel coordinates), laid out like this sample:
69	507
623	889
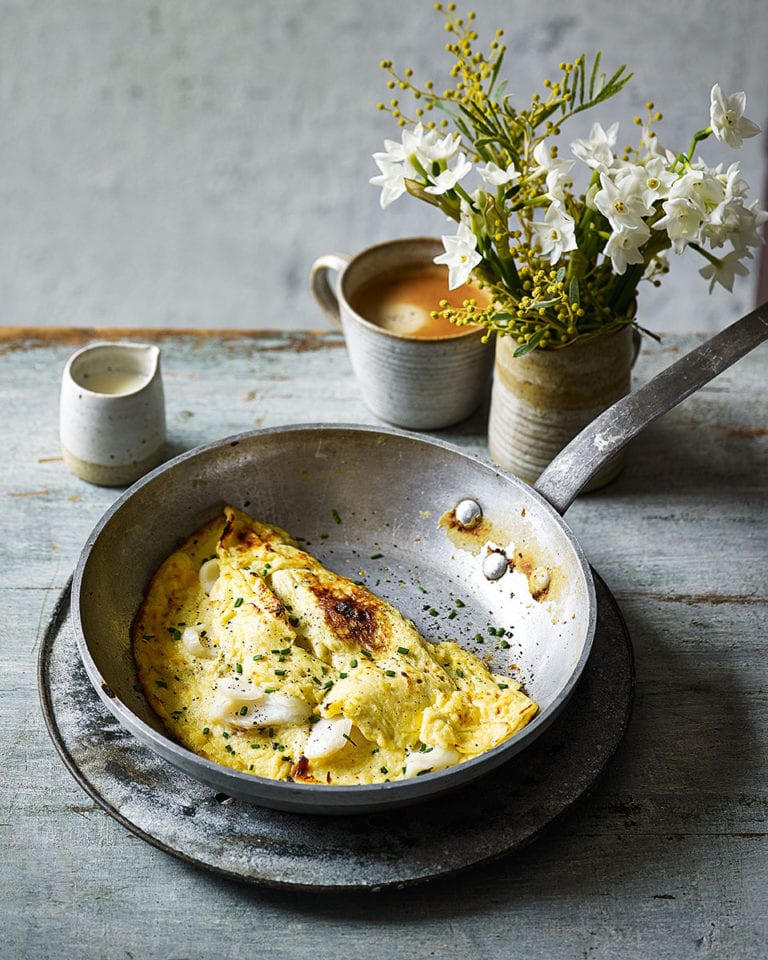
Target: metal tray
477	823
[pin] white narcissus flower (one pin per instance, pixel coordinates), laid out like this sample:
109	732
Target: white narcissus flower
494	176
461	256
597	151
724	270
624	245
556	171
682	220
391	179
557	234
726	117
416	152
621	203
428	145
447	179
700	185
652	178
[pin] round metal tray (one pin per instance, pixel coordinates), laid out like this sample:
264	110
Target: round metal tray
480	822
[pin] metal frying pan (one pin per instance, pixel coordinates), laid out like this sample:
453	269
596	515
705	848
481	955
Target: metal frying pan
367	502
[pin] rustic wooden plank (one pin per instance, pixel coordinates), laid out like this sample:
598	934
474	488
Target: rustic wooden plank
667	856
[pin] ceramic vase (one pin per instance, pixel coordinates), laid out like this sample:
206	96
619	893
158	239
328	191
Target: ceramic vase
540	401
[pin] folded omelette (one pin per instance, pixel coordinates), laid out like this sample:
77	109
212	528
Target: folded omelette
256	656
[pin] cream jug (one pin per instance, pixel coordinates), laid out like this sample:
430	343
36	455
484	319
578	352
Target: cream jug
112	413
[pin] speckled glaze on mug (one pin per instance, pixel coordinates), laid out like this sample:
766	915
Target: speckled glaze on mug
416	383
112	413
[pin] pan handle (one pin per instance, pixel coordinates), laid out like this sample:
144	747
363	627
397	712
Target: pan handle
601	440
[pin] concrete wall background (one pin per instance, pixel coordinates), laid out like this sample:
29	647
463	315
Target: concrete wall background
182	163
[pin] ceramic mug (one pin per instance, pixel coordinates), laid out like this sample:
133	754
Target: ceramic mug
112	413
416	383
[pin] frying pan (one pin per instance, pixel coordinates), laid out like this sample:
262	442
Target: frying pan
367	501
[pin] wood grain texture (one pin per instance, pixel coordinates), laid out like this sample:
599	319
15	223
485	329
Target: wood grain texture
665	858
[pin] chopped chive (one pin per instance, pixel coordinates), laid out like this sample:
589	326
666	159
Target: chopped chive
280	673
343	676
366	653
503	686
335	515
162	683
258	656
504	645
270	690
433	612
459	603
314	718
327	685
239	602
255	746
347	737
403	650
323	536
206	731
452	615
390	673
225	735
459	672
238	668
243	711
376	556
353	663
176	634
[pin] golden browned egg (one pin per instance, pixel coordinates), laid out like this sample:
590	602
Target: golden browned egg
258	657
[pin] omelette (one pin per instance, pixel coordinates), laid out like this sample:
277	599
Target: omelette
256	656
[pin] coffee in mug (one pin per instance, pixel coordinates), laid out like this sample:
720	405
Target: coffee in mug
405	301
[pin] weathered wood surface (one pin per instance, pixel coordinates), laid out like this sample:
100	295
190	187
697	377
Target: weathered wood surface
667	856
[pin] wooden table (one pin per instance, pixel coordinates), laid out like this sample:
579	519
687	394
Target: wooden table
665	858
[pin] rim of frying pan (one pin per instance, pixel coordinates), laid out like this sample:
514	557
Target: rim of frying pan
324	798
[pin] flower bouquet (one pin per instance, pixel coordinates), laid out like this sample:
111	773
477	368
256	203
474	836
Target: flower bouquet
561	262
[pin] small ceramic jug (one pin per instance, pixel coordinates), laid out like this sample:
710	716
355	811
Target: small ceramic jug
112	413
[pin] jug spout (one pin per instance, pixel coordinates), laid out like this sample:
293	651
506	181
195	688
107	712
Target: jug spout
147	357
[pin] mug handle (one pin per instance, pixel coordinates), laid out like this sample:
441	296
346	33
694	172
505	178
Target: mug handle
321	288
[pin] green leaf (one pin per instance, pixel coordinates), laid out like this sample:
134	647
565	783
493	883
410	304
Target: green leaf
499	91
593	76
531	343
573	292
